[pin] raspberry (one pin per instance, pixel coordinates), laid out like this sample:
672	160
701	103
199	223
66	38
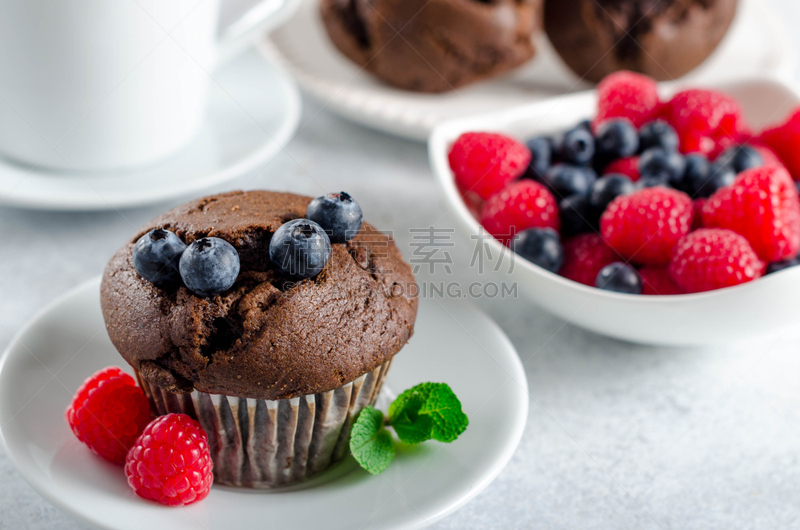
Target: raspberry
108	412
645	226
486	162
713	258
696	143
657	281
584	256
783	140
762	204
170	463
720	145
523	204
704	113
627	95
769	157
625	166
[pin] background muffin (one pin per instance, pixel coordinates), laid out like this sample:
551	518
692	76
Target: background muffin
664	39
274	369
433	45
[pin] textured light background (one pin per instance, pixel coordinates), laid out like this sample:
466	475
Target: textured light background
618	435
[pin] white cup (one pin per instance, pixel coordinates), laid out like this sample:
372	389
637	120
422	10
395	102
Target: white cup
103	84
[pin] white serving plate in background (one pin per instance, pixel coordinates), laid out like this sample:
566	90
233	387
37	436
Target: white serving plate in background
757	45
764	306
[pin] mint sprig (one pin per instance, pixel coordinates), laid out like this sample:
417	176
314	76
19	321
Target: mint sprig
371	445
428	411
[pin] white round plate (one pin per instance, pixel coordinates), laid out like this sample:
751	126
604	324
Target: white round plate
456	344
757	45
253	112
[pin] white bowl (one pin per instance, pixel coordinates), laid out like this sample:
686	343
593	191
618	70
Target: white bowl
764	306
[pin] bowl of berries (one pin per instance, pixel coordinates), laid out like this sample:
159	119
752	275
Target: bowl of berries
650	213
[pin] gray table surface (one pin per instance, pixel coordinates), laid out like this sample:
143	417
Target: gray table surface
618	435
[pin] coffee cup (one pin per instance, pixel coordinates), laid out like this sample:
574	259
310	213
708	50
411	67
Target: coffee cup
107	84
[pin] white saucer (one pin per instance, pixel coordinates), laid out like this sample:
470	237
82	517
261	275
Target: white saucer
253	112
454	343
757	45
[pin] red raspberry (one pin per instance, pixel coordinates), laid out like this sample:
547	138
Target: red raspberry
784	140
713	258
762	204
704	113
170	463
645	226
584	256
657	281
769	156
485	162
720	145
108	412
627	95
523	204
625	166
697	143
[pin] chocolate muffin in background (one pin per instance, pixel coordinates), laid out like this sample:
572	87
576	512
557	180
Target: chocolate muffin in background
433	45
664	39
274	370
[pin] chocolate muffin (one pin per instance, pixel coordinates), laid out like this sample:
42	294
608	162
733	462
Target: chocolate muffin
433	45
273	368
664	39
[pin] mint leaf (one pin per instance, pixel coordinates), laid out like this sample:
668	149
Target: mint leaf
444	408
371	445
427	411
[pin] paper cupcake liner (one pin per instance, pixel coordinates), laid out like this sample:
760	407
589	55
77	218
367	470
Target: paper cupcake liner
259	443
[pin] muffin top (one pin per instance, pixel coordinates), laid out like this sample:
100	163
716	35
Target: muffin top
267	337
663	39
445	44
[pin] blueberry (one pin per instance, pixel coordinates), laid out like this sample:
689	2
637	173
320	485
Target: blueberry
577	216
658	133
740	158
785	264
209	266
540	246
716	178
300	249
620	278
576	146
608	188
156	256
338	214
565	180
695	173
586	124
616	139
541	149
667	165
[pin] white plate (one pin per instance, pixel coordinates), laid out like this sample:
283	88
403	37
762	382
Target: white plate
767	305
253	112
757	45
457	344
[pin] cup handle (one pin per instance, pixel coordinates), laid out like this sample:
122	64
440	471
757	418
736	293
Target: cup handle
259	19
